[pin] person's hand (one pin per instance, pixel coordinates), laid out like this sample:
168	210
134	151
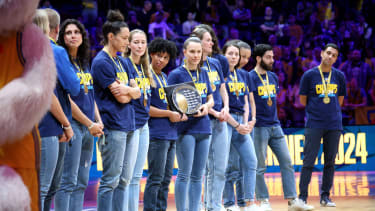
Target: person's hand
183	117
203	110
96	129
243	129
174	116
251	125
224	114
68	133
119	88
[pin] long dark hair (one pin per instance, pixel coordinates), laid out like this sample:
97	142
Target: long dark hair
83	54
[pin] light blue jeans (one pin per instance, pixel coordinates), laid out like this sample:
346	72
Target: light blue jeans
216	165
48	161
192	152
244	145
132	191
119	154
274	137
75	176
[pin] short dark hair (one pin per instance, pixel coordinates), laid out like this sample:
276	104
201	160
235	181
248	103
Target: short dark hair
261	49
332	45
163	46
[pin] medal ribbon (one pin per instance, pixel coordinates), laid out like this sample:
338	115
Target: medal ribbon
79	68
265	84
163	79
141	75
325	86
119	65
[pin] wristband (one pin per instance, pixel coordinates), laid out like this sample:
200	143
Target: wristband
91	126
237	125
66	127
253	118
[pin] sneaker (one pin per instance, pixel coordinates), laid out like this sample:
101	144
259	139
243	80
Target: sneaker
252	207
298	204
232	208
327	202
265	205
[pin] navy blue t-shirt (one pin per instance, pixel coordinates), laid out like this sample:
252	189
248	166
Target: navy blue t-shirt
85	101
141	111
194	125
318	114
67	83
266	115
236	104
115	115
216	77
224	64
250	87
160	127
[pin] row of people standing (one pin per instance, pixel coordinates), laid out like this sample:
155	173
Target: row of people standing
135	121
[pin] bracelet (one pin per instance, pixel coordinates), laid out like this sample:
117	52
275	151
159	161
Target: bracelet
237	125
67	127
91	126
253	118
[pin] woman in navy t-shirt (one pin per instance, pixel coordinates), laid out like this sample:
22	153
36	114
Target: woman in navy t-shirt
86	120
137	63
114	89
238	125
194	134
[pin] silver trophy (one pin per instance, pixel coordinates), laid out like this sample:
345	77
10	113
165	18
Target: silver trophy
183	98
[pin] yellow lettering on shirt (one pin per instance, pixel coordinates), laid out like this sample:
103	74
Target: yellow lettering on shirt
332	88
143	82
201	88
122	76
214	76
240	86
161	93
85	77
263	91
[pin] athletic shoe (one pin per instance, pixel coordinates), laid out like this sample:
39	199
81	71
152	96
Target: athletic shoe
252	207
327	202
298	204
265	205
232	208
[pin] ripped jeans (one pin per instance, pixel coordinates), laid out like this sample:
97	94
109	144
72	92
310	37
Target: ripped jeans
119	154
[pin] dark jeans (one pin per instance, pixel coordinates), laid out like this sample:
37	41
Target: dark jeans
313	137
160	158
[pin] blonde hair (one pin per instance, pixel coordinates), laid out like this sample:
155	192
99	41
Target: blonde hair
144	61
41	20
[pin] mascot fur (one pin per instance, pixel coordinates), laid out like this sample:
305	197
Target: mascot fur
27	80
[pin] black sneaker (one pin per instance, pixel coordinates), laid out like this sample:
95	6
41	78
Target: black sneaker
327	202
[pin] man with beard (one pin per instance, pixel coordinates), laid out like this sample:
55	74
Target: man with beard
268	132
322	91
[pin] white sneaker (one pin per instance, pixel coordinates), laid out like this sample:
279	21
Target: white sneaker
298	204
252	207
232	208
265	205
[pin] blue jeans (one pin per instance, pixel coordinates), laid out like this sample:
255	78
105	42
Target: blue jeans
233	177
244	145
76	170
48	161
216	165
273	137
132	191
160	156
192	152
119	155
55	184
313	137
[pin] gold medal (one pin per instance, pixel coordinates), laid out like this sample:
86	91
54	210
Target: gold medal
326	100
269	102
213	87
145	102
237	93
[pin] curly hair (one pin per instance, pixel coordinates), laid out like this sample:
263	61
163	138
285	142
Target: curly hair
164	46
83	54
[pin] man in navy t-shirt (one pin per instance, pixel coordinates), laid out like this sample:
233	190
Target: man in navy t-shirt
322	91
268	132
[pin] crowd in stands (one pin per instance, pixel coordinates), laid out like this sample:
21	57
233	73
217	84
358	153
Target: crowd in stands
296	29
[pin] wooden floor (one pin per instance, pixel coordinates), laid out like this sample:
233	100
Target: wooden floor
354	191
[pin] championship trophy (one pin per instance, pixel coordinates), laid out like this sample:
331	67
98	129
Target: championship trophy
183	98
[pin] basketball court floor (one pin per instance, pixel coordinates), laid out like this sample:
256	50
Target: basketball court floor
354	191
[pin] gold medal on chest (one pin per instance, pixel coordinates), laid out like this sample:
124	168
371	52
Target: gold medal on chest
269	102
